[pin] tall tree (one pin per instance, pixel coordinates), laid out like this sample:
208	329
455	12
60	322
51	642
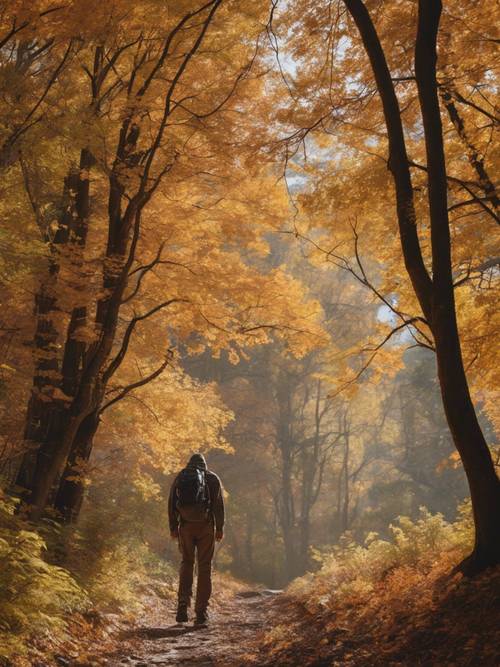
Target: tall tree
160	102
362	109
436	294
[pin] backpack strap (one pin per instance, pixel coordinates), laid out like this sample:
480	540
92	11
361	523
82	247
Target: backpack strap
207	488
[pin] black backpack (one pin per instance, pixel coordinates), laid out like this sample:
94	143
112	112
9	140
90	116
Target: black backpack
191	487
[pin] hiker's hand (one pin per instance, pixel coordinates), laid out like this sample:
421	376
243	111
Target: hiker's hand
219	534
174	534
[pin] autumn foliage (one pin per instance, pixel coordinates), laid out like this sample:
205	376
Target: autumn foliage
266	231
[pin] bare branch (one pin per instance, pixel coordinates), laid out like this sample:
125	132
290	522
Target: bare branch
468	186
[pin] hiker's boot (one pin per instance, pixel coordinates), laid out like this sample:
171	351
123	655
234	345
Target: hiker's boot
201	617
182	614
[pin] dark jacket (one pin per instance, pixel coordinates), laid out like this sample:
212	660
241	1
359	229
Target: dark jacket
216	502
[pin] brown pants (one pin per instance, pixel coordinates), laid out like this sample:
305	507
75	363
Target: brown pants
199	536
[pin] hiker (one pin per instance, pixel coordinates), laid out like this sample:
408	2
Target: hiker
196	517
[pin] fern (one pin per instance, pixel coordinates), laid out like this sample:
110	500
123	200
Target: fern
35	596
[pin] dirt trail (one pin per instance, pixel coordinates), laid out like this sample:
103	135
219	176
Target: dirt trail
224	642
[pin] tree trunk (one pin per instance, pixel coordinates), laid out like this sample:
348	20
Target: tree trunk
91	382
69	497
469	440
304	542
50	461
398	158
249	544
288	520
461	416
346	498
45	413
305	508
290	550
237	565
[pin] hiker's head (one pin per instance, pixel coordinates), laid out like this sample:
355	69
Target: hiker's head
198	461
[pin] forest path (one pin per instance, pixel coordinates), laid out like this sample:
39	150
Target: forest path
235	620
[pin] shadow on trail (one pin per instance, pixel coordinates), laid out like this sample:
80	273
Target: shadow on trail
159	633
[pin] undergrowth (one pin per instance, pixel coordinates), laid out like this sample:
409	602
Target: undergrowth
389	601
351	572
35	596
53	574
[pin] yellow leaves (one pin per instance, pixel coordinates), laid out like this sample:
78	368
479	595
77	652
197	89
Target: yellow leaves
147	487
452	461
6	367
168	418
35	596
277	638
233	356
387	362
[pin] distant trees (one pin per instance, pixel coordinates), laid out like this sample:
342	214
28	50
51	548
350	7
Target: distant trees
305	436
321	468
323	454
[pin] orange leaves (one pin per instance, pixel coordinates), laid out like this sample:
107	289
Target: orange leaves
168	417
452	461
385	609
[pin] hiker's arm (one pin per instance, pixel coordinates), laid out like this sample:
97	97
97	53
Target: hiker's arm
218	509
173	515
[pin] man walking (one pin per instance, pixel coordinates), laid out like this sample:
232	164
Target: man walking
196	517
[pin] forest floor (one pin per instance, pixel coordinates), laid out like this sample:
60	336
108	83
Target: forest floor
443	620
239	615
438	621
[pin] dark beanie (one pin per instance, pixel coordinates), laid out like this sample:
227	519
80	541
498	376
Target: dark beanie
198	460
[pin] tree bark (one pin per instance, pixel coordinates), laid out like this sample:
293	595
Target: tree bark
45	412
70	494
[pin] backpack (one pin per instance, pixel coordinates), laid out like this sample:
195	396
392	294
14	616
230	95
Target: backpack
192	494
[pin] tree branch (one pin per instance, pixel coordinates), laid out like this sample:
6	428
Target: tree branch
116	362
139	383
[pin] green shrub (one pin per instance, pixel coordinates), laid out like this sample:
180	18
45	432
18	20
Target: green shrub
123	573
35	596
351	571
